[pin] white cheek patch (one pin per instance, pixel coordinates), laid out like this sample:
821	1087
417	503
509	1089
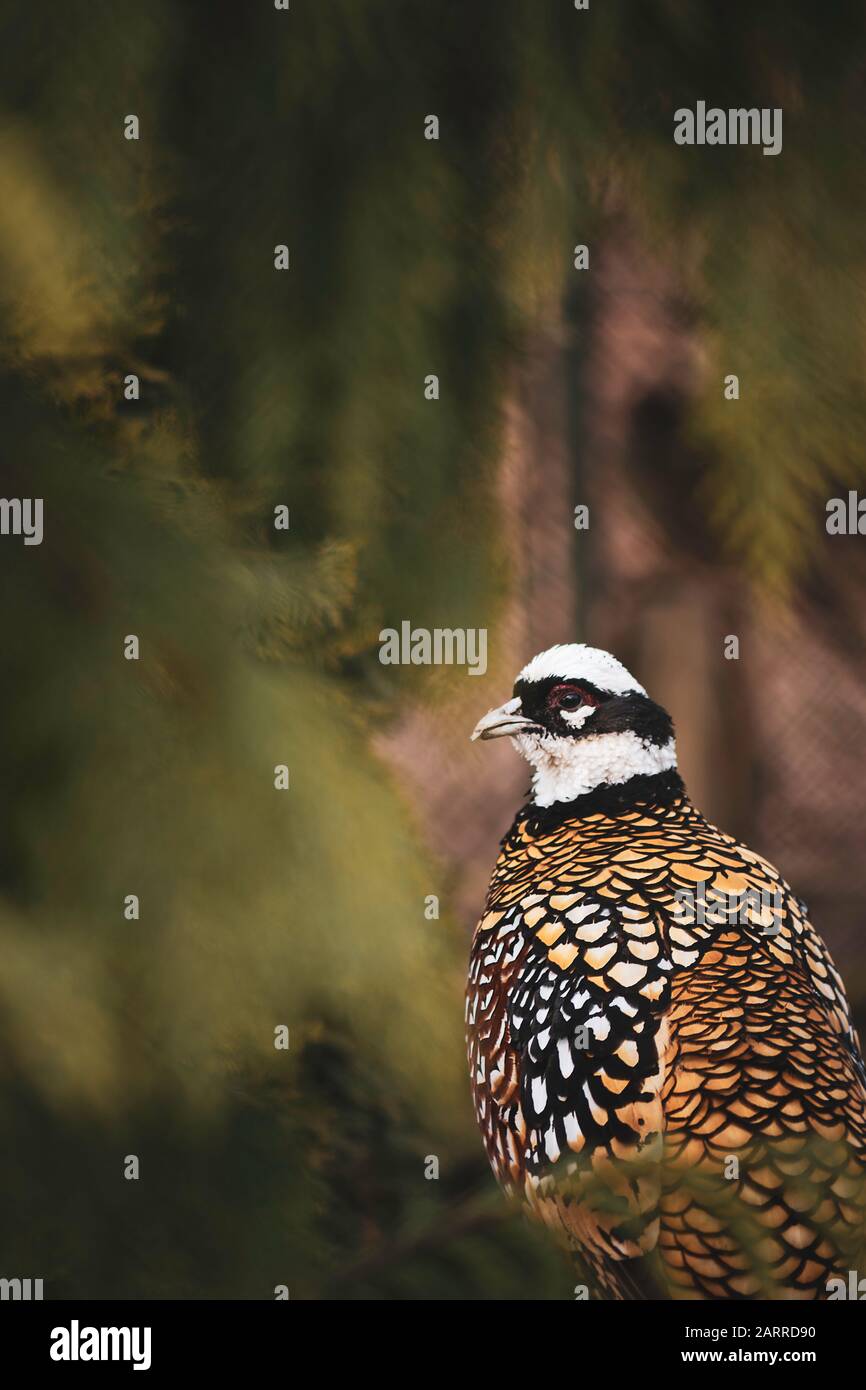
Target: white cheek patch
567	768
577	717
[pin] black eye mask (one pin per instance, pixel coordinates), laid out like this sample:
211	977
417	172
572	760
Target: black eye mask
543	698
614	714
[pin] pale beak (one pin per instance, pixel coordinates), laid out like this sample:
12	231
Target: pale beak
503	722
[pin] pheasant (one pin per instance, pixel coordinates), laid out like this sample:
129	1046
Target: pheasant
661	1050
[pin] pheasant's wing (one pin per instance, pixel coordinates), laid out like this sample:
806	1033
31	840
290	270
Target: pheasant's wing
498	949
565	1008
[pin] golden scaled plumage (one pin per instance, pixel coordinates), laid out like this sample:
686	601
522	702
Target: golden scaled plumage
682	1099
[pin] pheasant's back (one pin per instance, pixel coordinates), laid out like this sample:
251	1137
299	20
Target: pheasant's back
662	1057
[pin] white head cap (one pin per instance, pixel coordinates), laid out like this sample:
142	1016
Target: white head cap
576	661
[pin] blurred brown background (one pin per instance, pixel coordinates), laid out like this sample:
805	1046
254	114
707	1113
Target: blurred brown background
304	388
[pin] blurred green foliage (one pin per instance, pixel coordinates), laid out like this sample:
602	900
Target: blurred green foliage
258	647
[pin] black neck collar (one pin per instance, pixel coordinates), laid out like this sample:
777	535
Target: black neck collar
610	799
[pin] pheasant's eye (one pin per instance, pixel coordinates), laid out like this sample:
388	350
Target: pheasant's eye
570	697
